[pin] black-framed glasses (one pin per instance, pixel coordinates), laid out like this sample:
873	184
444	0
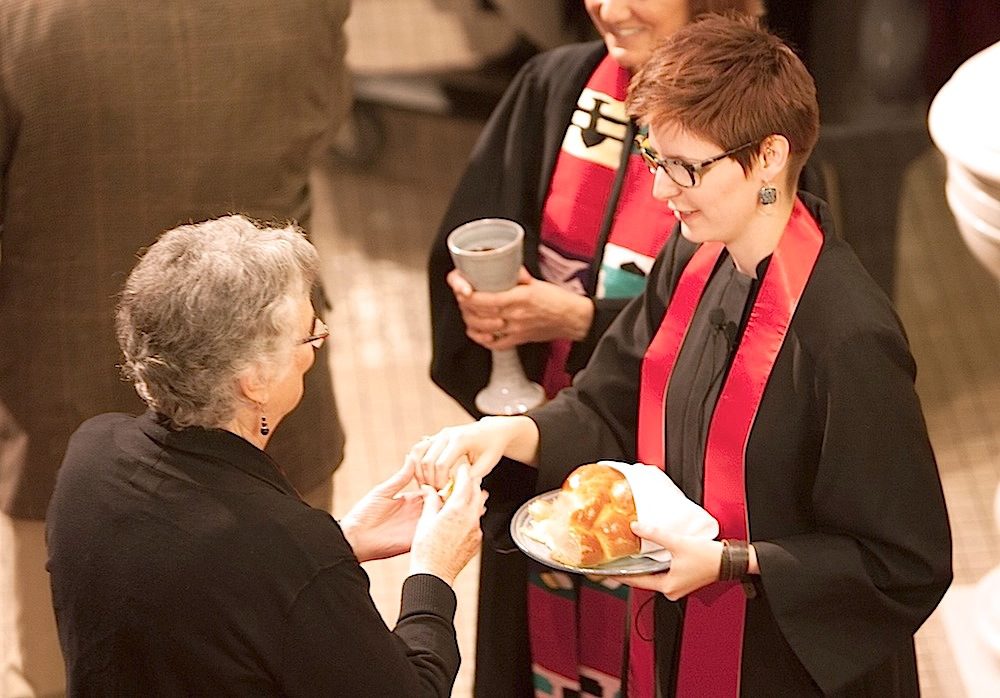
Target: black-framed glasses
682	173
317	335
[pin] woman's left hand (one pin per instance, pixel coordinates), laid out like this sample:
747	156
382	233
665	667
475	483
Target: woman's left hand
533	311
694	563
382	523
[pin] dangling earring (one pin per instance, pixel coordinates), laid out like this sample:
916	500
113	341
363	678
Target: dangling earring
767	195
264	429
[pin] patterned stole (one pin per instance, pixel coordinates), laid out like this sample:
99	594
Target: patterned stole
599	207
712	636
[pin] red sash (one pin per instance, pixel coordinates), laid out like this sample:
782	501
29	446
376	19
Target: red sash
712	637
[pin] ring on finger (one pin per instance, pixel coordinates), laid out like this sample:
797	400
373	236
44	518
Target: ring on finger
497	336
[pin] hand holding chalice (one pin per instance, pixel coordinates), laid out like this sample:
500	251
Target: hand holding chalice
489	252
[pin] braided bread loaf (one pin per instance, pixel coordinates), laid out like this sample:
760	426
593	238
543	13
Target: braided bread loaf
587	522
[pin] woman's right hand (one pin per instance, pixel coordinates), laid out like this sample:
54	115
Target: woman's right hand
483	443
448	534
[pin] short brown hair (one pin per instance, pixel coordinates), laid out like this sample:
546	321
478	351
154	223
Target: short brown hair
729	81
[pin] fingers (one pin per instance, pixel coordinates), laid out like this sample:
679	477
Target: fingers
640	581
437	462
492	320
479	303
432	502
495	341
437	458
415	457
409	497
481	322
398	480
654	534
466	485
459	285
463	489
434	458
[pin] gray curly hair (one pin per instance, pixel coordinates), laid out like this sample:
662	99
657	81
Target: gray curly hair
205	302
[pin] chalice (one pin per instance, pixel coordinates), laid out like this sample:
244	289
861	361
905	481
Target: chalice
489	252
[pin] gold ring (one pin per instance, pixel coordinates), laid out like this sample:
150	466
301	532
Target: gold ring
497	336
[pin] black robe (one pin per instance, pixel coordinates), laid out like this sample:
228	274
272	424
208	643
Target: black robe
508	177
844	499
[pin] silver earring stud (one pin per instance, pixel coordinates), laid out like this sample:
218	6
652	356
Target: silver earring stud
767	195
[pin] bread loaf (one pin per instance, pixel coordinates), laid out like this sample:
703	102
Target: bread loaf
587	522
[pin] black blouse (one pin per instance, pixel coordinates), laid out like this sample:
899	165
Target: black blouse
700	371
183	563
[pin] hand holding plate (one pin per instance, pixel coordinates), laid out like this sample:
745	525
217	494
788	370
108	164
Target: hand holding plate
694	563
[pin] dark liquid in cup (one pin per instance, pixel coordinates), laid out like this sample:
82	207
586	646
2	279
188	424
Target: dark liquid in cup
481	249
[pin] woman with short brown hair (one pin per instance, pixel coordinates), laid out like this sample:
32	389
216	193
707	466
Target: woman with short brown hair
557	156
768	375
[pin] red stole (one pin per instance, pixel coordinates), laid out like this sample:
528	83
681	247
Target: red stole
712	637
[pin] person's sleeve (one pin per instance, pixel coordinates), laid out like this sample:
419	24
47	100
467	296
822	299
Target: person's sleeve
597	417
6	149
879	561
337	643
500	181
339	91
605	312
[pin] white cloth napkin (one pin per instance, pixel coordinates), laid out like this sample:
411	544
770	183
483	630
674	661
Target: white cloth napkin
659	502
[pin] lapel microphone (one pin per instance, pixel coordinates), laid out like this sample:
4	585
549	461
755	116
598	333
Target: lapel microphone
728	328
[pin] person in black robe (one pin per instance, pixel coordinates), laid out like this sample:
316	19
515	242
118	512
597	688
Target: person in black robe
514	172
846	548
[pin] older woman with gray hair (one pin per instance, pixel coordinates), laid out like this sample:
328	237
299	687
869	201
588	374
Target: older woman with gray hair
182	559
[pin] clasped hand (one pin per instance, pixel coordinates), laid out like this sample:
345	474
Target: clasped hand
532	311
442	537
482	443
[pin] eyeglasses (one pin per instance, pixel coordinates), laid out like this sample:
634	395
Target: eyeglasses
683	174
318	335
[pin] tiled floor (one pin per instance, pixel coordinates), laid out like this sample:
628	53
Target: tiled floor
374	226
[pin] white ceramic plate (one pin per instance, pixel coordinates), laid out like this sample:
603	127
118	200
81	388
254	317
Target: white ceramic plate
635	564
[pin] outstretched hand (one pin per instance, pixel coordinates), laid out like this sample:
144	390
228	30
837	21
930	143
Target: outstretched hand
482	443
382	523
